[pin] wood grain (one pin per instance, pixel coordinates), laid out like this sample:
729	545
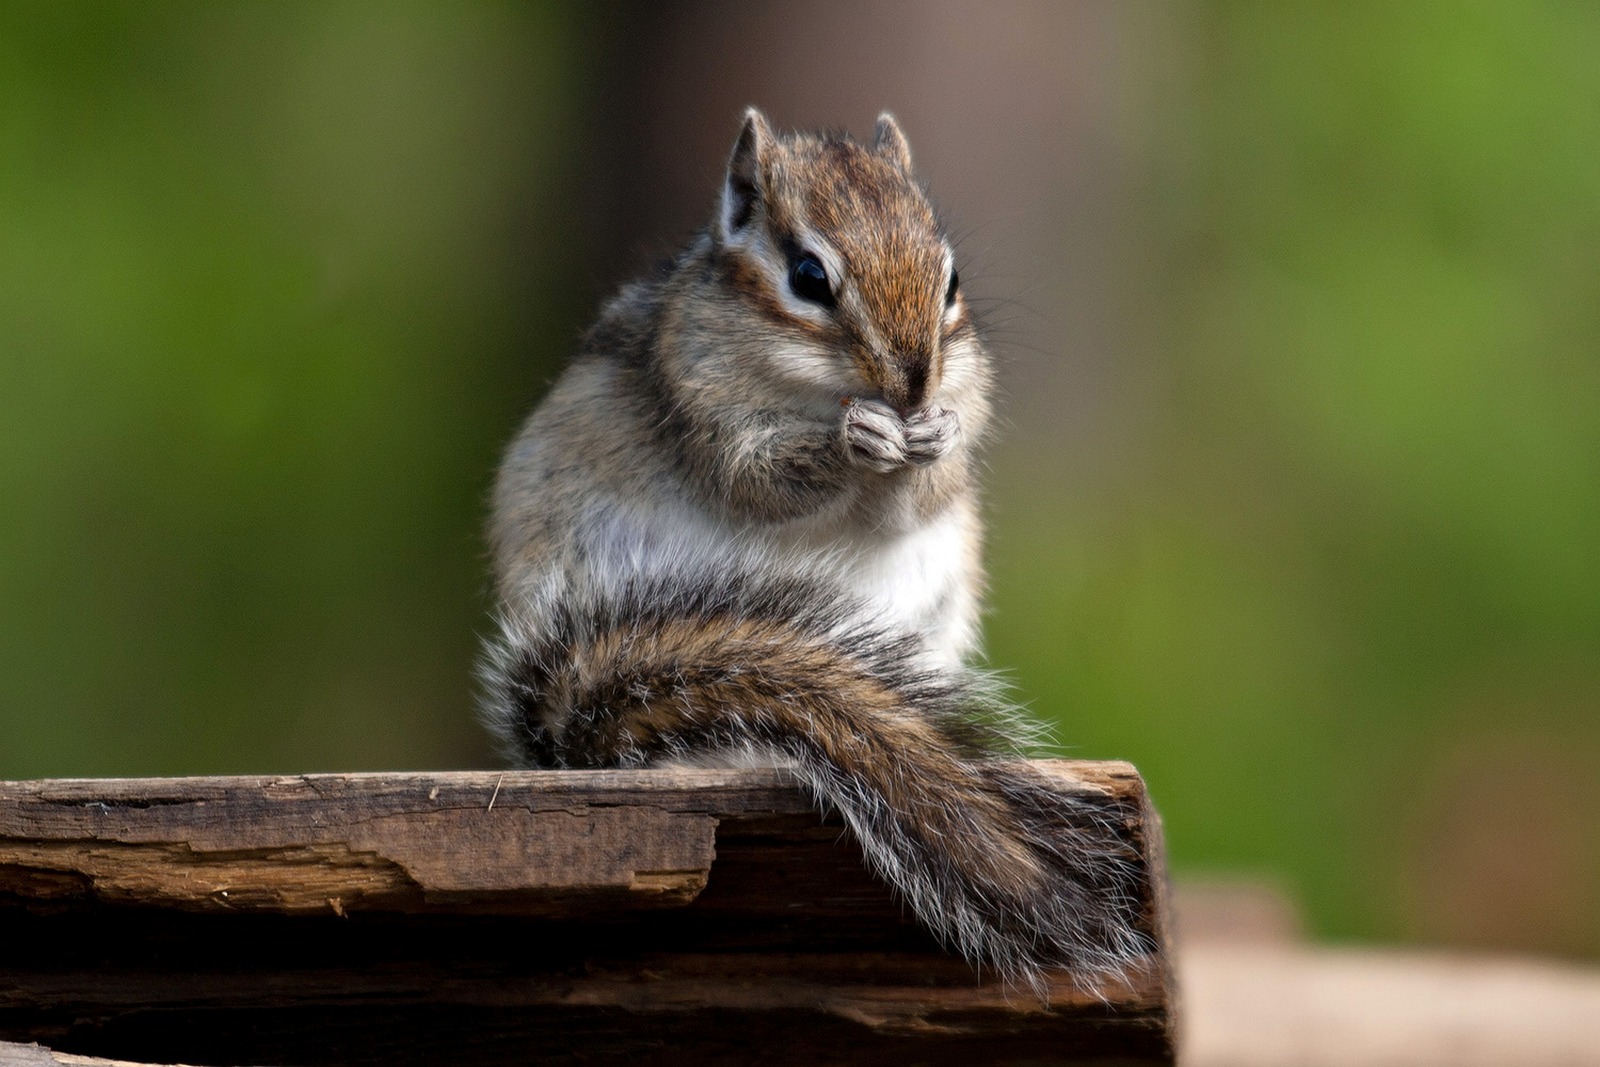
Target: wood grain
557	917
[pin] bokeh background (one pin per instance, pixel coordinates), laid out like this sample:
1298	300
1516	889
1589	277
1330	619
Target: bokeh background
1298	502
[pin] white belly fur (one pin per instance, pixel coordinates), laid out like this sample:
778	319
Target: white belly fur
923	581
919	581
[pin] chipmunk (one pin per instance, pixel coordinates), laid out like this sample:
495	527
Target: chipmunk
743	526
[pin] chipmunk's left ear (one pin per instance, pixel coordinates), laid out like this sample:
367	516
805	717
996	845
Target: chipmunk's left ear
890	143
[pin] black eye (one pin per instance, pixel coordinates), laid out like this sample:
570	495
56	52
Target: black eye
950	293
809	280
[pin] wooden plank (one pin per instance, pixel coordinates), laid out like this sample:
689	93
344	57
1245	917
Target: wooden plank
602	916
528	842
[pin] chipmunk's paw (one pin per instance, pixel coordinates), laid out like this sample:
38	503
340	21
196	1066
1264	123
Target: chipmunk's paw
929	434
874	436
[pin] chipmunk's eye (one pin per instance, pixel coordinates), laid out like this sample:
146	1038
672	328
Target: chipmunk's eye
809	280
950	293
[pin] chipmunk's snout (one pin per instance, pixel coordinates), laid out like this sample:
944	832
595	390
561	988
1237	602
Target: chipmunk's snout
906	384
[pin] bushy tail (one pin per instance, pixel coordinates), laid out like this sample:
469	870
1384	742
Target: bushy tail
1000	866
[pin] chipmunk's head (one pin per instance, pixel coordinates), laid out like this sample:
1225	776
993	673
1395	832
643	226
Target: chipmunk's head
835	243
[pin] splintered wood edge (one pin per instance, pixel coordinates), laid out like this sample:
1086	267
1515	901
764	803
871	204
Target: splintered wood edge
526	842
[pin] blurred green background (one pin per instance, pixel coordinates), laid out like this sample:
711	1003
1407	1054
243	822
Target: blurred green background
1299	506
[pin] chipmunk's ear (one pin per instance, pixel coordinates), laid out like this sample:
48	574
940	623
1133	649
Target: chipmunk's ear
890	143
745	169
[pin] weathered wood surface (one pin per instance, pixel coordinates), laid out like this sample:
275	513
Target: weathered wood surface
553	917
526	842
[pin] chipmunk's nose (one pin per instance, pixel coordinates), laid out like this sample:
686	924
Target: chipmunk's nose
907	388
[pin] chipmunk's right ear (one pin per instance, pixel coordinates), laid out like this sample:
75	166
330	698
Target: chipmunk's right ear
890	143
745	169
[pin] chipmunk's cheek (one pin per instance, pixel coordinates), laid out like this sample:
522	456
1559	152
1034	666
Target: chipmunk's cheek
961	370
811	367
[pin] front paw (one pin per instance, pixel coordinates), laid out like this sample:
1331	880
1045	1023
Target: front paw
874	436
930	434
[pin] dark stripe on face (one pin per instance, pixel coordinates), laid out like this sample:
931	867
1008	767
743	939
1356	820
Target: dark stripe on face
748	281
916	383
